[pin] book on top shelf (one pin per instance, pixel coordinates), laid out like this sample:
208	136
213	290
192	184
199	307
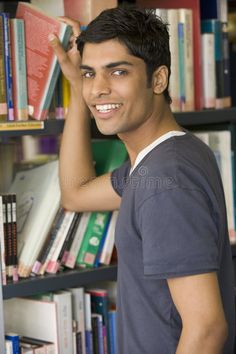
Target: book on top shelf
42	66
194	5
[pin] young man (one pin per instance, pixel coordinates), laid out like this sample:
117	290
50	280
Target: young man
175	277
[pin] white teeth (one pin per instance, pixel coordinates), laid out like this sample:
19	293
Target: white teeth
105	108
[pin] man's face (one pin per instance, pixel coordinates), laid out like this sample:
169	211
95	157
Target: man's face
115	87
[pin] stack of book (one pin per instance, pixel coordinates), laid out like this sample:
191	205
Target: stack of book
72	321
50	238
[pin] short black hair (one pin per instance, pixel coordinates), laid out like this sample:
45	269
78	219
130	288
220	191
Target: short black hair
144	34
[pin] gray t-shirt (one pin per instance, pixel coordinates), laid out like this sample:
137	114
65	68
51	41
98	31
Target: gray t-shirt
172	222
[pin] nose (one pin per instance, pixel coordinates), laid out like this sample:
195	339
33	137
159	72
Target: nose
101	86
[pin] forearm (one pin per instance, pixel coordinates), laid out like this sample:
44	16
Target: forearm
75	161
203	341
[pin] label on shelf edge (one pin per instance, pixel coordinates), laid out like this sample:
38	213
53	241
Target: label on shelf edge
22	125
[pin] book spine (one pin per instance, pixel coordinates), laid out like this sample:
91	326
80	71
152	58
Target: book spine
14	238
105	257
20	96
59	240
226	64
69	239
92	238
88	324
112	330
8	66
185	17
208	70
15	339
3	97
173	19
2	243
181	66
76	244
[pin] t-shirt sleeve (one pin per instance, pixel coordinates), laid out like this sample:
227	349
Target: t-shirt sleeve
119	177
179	235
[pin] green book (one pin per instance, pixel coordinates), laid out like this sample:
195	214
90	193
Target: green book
108	155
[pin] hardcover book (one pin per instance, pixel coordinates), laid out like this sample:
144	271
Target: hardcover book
42	66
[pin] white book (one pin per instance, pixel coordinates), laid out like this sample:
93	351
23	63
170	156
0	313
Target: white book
8	346
78	313
185	17
58	242
32	318
38	199
173	20
75	246
220	141
53	8
162	13
2	245
108	246
208	70
63	301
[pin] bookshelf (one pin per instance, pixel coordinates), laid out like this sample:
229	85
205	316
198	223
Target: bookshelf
83	277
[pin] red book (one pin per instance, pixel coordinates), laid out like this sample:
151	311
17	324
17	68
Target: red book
42	66
195	6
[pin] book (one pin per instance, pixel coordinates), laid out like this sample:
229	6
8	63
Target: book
86	10
97	329
92	238
8	65
40	319
173	20
185	18
208	70
42	66
194	5
2	244
109	242
78	305
38	195
88	324
99	304
20	91
15	339
77	241
112	330
3	94
214	26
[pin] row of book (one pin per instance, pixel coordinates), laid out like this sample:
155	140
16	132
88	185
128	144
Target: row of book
28	66
50	238
72	321
221	144
214	51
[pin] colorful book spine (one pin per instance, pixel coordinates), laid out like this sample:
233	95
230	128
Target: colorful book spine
14	238
107	249
208	70
92	238
112	331
3	95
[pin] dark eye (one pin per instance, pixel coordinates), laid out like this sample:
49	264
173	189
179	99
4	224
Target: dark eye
87	74
119	72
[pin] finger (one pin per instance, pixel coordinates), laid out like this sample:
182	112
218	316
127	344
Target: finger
57	47
73	23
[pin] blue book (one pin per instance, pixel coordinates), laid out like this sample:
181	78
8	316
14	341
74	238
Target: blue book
181	65
112	330
15	339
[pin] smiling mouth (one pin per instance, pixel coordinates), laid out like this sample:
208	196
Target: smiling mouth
107	108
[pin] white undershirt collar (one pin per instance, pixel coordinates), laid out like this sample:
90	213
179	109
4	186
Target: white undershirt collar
151	146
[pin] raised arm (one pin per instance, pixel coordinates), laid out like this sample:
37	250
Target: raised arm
81	190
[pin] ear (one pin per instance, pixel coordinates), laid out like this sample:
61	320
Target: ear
160	79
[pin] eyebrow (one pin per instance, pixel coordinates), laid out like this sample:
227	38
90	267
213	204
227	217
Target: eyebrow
108	66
